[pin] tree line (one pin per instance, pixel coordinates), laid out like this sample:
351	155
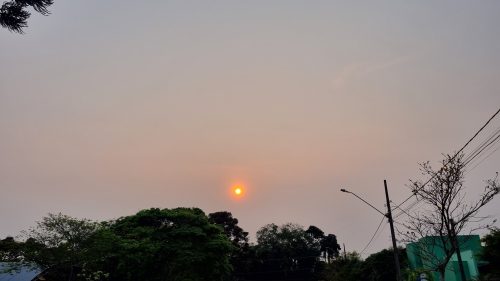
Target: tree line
168	244
184	244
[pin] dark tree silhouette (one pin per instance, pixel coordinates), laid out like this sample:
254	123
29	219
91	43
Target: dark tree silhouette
229	225
14	14
380	265
329	246
491	255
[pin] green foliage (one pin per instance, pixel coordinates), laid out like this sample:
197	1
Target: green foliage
178	244
181	244
377	267
242	255
284	252
346	268
491	255
380	266
288	240
10	250
57	242
229	225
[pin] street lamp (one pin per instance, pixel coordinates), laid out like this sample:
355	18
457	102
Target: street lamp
388	215
347	191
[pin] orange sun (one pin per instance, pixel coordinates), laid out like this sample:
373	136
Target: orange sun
238	190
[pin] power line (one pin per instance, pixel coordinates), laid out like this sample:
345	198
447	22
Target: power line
378	235
483	147
453	158
405	211
488	156
479	131
486	145
474	152
373	236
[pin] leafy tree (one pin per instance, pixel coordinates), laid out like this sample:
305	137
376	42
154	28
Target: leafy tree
329	245
162	244
285	252
346	268
14	14
242	255
57	244
447	212
229	225
380	266
491	254
377	267
10	250
178	244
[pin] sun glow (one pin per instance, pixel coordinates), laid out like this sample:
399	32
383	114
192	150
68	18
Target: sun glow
237	190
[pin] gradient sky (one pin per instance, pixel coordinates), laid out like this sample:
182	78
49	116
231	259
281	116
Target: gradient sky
109	107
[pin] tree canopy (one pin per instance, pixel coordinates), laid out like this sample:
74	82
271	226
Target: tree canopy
287	252
230	227
376	267
348	267
180	244
155	244
163	244
491	255
380	265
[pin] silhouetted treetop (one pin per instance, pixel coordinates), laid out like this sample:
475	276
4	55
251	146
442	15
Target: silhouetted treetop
14	14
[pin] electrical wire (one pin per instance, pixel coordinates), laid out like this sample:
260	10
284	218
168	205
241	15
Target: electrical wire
453	158
406	210
488	156
482	145
373	236
487	145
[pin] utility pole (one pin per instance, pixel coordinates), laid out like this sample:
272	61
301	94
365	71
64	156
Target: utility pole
457	250
388	215
391	224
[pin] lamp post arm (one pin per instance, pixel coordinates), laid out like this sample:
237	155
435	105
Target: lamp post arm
385	215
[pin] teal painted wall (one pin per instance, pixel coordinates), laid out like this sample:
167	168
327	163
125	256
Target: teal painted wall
428	251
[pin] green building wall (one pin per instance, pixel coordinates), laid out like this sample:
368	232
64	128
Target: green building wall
424	254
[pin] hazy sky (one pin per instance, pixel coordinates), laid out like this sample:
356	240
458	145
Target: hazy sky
109	107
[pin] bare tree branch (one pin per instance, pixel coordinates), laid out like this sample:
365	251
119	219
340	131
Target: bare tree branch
446	213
